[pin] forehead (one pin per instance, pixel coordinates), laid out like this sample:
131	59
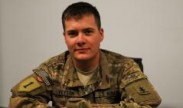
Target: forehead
82	21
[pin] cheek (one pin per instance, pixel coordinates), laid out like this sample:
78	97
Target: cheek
69	43
97	42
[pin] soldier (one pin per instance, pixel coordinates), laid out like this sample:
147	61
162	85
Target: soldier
85	76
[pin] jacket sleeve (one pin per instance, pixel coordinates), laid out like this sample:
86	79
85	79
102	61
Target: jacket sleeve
136	88
30	93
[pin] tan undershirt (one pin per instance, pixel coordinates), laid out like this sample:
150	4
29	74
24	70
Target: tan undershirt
85	77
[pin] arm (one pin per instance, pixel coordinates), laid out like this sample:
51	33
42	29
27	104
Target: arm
136	88
30	93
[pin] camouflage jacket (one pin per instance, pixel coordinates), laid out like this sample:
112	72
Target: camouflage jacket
118	80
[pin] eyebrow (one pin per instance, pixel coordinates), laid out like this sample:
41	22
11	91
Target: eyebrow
89	28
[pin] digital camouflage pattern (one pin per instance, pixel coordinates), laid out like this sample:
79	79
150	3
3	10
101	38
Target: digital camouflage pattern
118	83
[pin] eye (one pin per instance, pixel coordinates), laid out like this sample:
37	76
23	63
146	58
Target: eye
88	32
72	33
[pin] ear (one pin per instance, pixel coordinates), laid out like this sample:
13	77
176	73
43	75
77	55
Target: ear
102	33
64	36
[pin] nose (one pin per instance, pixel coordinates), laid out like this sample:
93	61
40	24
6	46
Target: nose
80	39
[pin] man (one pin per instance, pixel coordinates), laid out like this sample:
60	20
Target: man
85	75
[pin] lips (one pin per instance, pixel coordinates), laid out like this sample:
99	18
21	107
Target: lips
81	49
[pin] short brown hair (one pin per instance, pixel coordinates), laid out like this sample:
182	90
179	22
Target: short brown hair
78	9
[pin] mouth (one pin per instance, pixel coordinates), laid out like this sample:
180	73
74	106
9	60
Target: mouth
81	49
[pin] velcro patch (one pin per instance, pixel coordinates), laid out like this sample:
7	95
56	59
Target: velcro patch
133	77
28	85
43	76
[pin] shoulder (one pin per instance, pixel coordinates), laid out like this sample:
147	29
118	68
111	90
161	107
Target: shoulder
60	58
41	77
121	58
52	68
122	61
113	56
54	63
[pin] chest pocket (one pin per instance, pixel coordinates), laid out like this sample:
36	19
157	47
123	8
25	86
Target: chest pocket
109	96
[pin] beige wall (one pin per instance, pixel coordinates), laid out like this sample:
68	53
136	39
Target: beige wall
31	32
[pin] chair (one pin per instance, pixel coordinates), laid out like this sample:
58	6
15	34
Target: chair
139	62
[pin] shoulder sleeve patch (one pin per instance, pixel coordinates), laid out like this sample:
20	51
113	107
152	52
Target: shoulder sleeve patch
28	85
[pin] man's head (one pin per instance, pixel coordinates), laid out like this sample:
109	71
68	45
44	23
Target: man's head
83	34
78	10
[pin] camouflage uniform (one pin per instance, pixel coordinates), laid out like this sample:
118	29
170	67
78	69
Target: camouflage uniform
118	80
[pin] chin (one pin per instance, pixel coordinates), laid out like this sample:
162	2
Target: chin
82	57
